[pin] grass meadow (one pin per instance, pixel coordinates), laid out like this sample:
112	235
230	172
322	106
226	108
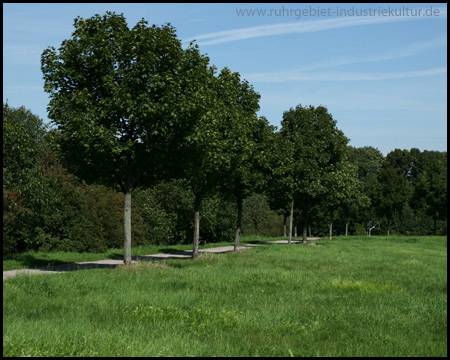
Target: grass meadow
352	296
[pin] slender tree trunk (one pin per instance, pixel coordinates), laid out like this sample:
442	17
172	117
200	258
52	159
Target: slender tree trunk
331	225
435	225
309	231
295	226
290	221
388	223
237	240
284	225
127	226
346	227
416	219
305	227
196	225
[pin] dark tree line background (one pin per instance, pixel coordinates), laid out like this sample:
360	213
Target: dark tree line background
47	208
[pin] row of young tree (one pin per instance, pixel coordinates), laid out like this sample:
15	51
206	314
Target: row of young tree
47	208
137	113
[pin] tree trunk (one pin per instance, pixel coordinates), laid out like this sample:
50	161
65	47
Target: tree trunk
290	221
331	225
256	228
435	225
305	228
388	223
196	225
284	225
237	240
309	231
346	227
127	227
295	226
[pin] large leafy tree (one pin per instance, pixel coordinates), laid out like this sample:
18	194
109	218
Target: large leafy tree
368	160
120	98
24	150
23	146
318	144
340	185
406	162
430	191
390	194
280	165
238	103
355	202
248	173
219	140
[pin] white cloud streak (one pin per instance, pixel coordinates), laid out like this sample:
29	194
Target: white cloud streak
410	50
338	76
300	27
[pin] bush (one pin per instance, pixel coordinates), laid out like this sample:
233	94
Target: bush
259	219
159	225
218	220
360	229
13	219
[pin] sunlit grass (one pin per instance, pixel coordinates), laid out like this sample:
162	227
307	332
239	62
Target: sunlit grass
350	297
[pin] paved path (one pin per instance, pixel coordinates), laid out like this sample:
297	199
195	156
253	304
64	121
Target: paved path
110	263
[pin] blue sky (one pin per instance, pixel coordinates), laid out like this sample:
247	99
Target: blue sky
380	69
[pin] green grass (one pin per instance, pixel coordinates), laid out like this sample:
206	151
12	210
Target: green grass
350	297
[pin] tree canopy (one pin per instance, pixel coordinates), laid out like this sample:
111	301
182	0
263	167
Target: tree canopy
121	98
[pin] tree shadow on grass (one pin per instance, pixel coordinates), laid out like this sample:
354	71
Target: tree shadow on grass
115	256
74	267
257	242
172	251
31	261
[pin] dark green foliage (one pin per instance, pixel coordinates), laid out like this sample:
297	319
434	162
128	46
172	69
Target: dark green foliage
218	219
390	194
23	146
167	210
46	207
367	159
13	220
23	155
259	219
430	192
119	97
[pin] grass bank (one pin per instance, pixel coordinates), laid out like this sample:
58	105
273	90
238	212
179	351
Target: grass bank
350	297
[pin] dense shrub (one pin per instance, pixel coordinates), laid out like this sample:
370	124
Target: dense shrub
168	212
218	219
259	219
13	216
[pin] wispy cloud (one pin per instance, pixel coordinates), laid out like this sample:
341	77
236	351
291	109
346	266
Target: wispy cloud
410	50
338	76
299	27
